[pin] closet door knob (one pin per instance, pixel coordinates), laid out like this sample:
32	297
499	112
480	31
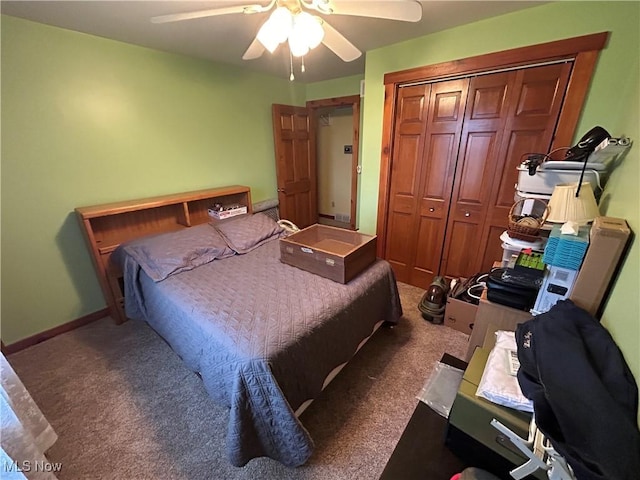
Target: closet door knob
431	209
467	214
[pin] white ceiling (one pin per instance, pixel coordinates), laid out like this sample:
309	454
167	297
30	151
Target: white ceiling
225	38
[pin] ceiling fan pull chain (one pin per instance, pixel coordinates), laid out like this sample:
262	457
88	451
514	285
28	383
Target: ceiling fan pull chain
291	77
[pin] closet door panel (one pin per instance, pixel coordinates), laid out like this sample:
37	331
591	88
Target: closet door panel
442	141
489	97
475	173
427	257
405	178
539	92
538	96
398	253
405	169
463	248
536	101
434	205
518	143
402	204
439	160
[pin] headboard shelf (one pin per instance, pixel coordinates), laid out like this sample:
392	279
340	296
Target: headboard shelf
108	225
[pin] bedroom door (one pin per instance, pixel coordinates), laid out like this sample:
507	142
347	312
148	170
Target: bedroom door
296	169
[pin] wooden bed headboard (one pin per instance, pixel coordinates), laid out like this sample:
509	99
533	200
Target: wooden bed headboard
107	226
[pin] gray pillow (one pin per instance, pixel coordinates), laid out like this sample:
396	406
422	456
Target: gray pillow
247	232
163	255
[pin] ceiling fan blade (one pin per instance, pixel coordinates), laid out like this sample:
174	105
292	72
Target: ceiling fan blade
339	45
255	50
406	11
213	12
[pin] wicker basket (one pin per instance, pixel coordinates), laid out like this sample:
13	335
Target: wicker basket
527	227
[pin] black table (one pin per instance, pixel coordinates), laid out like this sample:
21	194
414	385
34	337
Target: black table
421	452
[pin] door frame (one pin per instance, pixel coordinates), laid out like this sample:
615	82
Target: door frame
582	50
354	102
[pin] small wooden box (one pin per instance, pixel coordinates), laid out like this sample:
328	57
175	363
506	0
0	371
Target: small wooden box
330	252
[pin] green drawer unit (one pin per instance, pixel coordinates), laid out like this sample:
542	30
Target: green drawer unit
472	415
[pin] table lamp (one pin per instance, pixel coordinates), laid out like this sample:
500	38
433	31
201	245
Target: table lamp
565	206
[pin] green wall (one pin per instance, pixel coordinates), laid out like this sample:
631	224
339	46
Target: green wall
87	120
338	87
612	103
622	200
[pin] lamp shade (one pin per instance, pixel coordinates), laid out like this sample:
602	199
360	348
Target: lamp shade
564	206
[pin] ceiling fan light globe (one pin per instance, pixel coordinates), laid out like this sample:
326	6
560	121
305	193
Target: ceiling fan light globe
267	37
281	21
310	25
298	46
315	33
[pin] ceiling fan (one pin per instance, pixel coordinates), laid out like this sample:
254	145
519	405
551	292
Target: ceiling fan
291	22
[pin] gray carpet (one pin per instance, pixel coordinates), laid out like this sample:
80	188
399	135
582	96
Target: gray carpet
125	407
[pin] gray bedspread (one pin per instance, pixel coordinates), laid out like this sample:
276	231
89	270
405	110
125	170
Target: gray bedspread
263	336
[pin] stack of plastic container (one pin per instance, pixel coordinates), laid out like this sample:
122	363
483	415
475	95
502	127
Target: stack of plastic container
511	247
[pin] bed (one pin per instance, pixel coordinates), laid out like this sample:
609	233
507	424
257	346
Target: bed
265	337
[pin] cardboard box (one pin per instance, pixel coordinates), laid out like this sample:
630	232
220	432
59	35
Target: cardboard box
503	317
330	252
472	415
490	336
460	315
228	213
608	239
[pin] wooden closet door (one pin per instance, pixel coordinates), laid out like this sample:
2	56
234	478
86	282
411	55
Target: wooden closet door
410	121
534	109
428	124
509	115
442	142
484	121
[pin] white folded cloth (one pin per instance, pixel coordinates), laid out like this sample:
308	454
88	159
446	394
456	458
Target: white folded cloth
497	384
